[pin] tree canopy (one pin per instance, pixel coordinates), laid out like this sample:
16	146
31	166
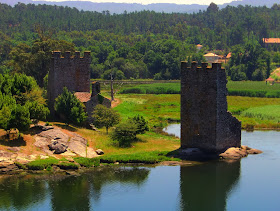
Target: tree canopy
133	45
70	109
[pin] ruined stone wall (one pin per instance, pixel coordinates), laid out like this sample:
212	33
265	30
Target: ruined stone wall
96	98
71	72
205	121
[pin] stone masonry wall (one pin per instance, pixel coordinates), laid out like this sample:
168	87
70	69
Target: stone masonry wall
205	121
70	72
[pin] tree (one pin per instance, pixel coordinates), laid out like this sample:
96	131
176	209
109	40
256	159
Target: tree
20	118
70	108
37	111
141	124
35	60
105	117
125	133
213	7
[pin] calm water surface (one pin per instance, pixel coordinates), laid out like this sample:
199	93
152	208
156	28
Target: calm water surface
252	184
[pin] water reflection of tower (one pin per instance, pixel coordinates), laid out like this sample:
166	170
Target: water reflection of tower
206	187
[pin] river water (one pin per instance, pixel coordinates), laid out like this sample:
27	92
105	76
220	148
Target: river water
250	184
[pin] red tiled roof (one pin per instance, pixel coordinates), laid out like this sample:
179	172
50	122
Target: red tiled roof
83	96
270	79
229	56
199	45
271	40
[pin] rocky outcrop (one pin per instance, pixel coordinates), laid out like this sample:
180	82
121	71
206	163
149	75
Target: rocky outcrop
99	152
235	153
57	147
59	142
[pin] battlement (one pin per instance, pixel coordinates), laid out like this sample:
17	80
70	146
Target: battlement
204	66
57	55
68	71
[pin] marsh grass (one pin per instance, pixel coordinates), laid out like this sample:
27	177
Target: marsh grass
67	165
235	88
156	88
41	164
268	112
139	157
87	162
157	109
238	106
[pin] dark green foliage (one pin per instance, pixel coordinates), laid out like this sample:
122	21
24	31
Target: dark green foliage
142	44
125	133
249	63
66	165
35	60
100	98
141	123
105	117
37	111
20	118
70	108
20	100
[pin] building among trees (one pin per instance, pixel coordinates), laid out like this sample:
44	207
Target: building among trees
271	42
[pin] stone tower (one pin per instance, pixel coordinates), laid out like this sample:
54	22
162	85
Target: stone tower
205	122
71	72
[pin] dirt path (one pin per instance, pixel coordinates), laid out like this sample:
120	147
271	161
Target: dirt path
115	103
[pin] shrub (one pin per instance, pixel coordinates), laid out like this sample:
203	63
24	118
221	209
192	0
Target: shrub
70	107
105	117
125	133
141	123
20	118
67	165
87	162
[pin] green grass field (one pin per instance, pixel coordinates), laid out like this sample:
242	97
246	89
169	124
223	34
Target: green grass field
161	109
235	88
156	88
268	112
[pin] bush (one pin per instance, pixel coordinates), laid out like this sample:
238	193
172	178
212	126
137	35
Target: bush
125	133
70	107
20	118
105	117
67	165
141	123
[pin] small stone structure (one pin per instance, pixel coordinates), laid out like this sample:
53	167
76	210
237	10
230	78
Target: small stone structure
92	99
73	72
205	122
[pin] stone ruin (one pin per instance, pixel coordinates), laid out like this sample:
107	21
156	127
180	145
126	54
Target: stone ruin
73	72
205	122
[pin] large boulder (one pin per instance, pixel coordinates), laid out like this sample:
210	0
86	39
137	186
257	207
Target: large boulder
58	147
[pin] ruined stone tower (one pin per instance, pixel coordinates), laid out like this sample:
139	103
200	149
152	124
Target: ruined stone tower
70	72
205	122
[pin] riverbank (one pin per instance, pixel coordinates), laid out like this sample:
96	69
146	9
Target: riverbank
153	147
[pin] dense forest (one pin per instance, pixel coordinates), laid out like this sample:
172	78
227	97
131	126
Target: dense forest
136	45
